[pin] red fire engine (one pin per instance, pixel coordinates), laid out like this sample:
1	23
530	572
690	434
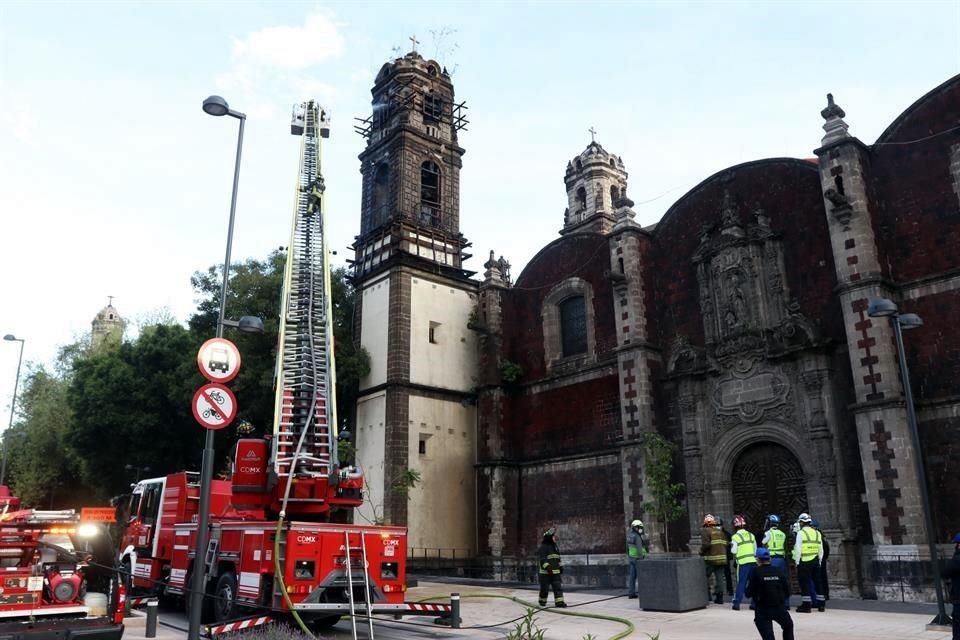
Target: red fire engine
275	546
58	576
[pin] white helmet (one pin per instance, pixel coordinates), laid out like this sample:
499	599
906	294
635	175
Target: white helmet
636	523
804	518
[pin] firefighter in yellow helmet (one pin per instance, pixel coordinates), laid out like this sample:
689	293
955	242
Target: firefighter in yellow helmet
548	559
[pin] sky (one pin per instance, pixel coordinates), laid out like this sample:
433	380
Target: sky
113	182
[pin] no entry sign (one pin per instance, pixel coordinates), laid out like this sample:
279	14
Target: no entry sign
219	360
214	406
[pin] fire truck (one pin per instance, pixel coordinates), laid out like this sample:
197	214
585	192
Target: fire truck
58	579
279	540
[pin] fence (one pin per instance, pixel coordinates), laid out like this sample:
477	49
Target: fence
869	575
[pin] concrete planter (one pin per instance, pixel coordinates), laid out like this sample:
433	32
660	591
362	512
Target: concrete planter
672	583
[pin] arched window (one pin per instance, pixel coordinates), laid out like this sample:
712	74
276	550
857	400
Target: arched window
614	196
582	198
381	194
430	193
573	326
579	165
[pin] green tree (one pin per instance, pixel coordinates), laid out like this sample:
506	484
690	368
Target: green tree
254	290
131	406
41	469
665	504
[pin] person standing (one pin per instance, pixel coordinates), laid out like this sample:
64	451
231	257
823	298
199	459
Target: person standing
775	541
727	576
807	551
770	591
713	548
743	545
823	586
952	573
548	560
637	549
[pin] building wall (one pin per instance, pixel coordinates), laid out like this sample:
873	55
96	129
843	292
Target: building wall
373	330
371	447
450	361
442	506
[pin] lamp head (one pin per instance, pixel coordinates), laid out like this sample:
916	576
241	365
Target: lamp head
250	324
9	336
216	106
881	308
910	321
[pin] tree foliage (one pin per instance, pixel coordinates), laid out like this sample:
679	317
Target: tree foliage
665	504
102	414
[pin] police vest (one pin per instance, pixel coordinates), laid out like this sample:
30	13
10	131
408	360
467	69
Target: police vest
811	541
746	547
776	542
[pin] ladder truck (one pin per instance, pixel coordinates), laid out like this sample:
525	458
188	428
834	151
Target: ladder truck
277	547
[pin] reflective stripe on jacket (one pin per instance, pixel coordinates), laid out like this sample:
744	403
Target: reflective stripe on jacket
745	547
714	546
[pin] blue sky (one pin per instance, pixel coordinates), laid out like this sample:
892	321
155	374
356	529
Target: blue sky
114	182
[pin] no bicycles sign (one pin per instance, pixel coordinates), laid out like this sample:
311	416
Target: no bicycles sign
214	406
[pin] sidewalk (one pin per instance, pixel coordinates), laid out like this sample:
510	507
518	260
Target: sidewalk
713	623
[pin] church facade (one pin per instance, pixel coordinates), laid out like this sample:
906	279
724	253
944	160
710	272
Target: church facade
737	328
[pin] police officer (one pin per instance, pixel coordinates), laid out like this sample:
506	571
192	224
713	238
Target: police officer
713	548
548	559
770	591
743	546
637	549
807	552
952	573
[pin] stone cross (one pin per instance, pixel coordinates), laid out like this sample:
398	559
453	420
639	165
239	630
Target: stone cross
415	42
593	134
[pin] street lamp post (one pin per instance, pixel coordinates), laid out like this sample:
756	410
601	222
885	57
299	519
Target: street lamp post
215	106
13	403
880	308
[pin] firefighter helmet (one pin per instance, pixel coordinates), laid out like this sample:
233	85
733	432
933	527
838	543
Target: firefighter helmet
709	520
636	523
804	518
739	522
549	533
773	520
245	427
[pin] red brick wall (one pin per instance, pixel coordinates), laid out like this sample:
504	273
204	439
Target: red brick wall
789	191
565	421
916	208
933	350
940	440
581	255
585	505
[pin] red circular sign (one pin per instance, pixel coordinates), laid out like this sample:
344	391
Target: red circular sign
219	360
214	406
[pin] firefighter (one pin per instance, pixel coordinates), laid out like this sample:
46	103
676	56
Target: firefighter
637	549
314	192
713	548
743	545
726	565
770	590
807	551
548	560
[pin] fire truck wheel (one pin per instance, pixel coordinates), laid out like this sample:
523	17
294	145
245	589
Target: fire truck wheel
326	623
226	597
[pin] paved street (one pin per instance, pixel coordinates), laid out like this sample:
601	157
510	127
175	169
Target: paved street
487	613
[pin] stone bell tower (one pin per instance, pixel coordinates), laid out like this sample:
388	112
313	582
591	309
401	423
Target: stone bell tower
596	180
416	411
